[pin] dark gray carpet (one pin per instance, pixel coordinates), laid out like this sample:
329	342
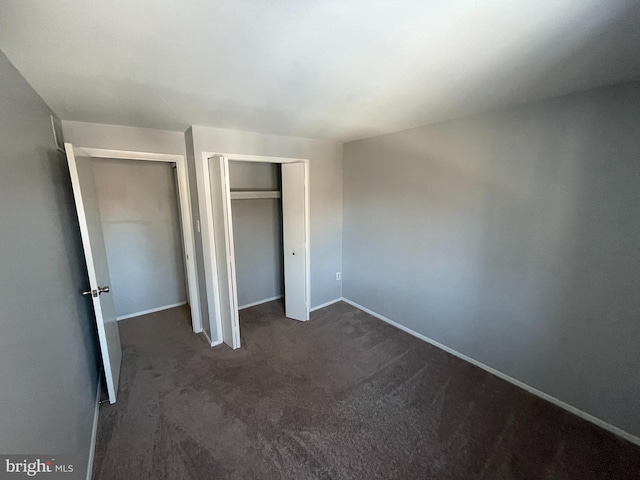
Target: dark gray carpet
343	396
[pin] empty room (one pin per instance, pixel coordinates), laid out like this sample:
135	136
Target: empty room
320	240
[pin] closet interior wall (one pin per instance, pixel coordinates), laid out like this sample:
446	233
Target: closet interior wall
257	228
142	233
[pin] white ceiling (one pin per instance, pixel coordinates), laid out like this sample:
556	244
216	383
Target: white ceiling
331	69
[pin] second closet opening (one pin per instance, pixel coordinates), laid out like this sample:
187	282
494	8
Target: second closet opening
271	232
256	205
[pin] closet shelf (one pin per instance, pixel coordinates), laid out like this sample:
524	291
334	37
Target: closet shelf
253	194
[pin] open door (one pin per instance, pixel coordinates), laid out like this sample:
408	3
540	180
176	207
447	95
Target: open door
224	252
294	235
84	191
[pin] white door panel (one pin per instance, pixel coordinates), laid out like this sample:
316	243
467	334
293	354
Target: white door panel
294	233
84	191
224	251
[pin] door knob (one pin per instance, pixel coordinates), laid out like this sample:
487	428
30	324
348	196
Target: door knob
99	291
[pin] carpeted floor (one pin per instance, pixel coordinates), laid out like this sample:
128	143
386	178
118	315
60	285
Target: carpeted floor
343	396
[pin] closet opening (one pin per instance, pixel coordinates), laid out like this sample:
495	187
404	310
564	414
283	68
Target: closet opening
141	224
134	213
256	209
258	235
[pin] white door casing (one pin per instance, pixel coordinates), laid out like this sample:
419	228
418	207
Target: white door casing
86	200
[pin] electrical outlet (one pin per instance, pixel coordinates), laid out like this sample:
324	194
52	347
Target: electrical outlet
338	275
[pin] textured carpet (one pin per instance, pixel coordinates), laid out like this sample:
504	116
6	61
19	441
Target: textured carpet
343	396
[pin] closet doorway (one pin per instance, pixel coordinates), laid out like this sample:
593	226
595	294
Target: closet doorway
81	170
219	236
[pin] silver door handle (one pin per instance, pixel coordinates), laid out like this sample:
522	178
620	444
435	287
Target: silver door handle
99	291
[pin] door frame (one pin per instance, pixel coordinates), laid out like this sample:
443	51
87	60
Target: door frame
207	220
184	204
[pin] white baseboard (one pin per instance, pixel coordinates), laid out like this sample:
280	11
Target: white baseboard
206	336
259	302
94	430
326	304
590	418
208	339
151	310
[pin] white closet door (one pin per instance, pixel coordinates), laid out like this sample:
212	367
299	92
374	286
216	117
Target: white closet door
294	232
225	256
95	254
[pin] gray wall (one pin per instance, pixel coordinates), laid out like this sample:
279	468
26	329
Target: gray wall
189	145
325	161
48	356
257	232
141	225
254	176
196	179
512	237
98	135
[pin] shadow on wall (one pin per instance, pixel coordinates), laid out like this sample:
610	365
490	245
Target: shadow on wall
74	253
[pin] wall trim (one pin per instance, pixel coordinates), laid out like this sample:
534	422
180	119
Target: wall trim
313	309
260	302
209	341
151	310
94	429
206	337
326	304
545	396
